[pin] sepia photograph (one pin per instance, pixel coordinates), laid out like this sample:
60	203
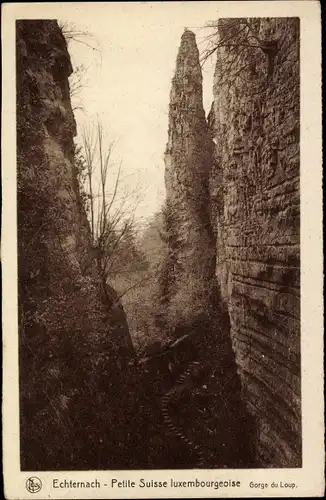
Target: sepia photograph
159	240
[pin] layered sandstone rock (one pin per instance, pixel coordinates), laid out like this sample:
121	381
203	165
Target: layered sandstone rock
242	175
255	192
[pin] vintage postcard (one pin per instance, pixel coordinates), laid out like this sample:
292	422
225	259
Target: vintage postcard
162	250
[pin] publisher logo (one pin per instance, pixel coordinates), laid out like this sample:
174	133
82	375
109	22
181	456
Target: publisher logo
33	484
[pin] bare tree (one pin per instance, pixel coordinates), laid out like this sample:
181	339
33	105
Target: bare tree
238	38
112	205
77	82
74	34
77	79
88	146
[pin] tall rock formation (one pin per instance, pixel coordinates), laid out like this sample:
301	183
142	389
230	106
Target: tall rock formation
188	160
255	193
75	380
192	305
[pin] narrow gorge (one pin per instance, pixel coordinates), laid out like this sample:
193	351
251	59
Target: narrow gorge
225	384
233	201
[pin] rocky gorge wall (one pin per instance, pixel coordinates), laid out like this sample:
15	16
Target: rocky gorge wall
255	196
233	202
193	311
73	338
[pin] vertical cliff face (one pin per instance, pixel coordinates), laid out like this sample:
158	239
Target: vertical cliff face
255	191
72	338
